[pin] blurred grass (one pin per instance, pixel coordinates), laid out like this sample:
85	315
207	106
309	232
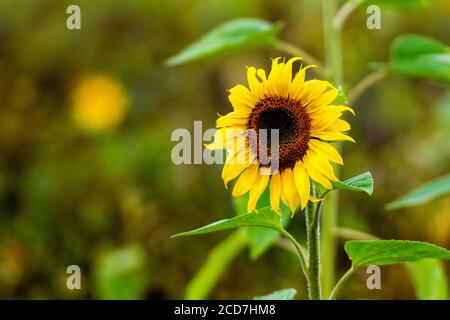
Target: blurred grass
68	196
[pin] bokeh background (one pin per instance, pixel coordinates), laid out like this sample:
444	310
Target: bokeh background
86	117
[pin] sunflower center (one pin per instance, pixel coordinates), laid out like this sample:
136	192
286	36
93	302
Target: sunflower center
291	120
278	119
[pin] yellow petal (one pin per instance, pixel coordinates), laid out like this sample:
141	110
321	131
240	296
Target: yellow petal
225	138
287	70
302	183
297	86
321	121
325	117
321	165
276	84
332	136
314	89
235	142
325	99
234	164
312	199
231	171
256	191
246	180
289	192
241	99
316	175
275	192
341	108
339	125
261	74
232	119
253	82
275	71
326	149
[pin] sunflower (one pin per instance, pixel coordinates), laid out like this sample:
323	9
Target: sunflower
99	103
306	120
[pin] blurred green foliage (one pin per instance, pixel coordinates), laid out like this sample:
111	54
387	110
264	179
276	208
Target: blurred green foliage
429	278
121	274
109	201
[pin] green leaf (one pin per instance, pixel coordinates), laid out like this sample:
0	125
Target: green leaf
400	4
286	294
217	262
384	252
261	239
121	274
430	281
411	46
239	33
264	217
361	183
423	194
419	56
240	204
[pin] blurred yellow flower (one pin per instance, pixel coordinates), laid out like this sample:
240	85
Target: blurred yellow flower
99	103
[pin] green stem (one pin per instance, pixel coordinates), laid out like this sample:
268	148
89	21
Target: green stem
312	214
333	50
351	234
329	222
298	248
333	58
365	83
345	11
341	282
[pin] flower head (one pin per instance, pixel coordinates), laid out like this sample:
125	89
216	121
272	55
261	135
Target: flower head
302	114
99	103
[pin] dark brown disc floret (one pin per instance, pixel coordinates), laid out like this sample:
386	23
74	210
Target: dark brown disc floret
293	123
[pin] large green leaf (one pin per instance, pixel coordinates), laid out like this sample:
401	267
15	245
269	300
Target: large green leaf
239	33
261	239
399	4
285	294
410	46
264	217
429	279
425	193
218	260
384	252
361	183
419	56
